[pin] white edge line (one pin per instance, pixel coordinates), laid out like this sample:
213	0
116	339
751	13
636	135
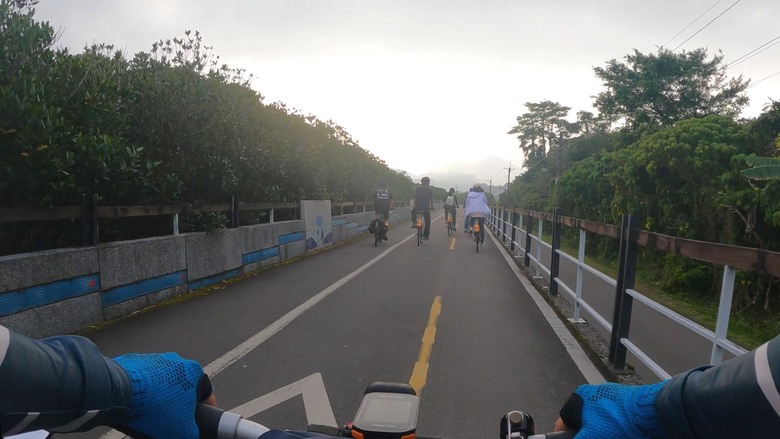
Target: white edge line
577	354
256	340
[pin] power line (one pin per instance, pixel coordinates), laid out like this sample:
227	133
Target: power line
691	23
774	74
751	54
706	25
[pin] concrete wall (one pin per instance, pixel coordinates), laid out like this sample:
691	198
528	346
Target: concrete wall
61	291
345	227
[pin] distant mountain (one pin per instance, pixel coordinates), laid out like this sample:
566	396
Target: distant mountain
463	175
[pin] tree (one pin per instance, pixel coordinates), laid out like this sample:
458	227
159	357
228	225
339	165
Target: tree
651	91
539	129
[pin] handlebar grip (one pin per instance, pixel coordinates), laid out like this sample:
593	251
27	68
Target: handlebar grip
215	423
566	434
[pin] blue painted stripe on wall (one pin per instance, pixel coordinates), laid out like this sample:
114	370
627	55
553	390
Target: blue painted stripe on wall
126	292
292	237
32	297
352	225
362	228
338	222
206	281
260	255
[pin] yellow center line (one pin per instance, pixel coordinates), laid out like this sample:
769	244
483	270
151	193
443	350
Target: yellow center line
420	372
452	245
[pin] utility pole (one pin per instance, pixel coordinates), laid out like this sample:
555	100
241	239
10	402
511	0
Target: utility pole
508	176
490	182
558	174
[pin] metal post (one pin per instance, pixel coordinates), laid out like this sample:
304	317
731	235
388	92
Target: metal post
84	220
234	209
621	317
578	289
555	258
271	216
95	222
527	254
175	224
724	311
540	227
503	231
514	232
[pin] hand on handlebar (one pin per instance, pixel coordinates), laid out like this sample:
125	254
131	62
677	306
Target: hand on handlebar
166	388
613	410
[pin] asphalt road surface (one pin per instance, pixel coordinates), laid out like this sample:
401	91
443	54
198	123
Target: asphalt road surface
298	343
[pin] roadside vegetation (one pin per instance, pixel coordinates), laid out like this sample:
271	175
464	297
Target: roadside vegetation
668	146
172	125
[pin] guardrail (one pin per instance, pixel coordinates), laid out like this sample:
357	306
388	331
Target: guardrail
522	242
89	212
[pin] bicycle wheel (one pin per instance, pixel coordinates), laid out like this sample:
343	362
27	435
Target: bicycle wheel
476	239
377	238
419	236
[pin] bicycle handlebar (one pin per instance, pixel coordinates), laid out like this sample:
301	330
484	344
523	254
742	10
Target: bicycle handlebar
215	423
555	435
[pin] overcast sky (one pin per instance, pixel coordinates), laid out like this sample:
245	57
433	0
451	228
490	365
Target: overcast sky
424	83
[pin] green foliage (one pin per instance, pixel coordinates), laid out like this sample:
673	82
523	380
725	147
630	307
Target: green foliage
762	168
651	91
541	129
168	126
684	276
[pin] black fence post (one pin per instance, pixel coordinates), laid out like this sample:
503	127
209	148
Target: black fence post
503	231
94	232
621	316
234	210
84	220
555	257
514	231
528	227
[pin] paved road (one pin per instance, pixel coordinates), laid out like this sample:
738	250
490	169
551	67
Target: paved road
329	324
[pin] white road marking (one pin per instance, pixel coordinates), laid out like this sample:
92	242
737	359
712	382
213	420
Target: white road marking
315	401
256	340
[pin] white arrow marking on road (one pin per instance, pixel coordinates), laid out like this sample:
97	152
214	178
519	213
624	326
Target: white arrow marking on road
315	401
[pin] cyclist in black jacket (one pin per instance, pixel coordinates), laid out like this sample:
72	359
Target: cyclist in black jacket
423	204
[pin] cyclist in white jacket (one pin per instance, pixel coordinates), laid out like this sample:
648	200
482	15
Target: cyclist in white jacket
476	208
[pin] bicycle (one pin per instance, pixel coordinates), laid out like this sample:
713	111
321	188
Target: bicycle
380	230
477	233
449	224
419	230
372	421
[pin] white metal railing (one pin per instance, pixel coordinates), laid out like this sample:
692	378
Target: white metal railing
720	344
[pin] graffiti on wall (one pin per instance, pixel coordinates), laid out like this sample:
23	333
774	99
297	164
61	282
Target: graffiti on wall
316	214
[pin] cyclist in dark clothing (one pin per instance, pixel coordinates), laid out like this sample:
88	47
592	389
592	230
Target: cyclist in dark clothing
451	206
382	200
423	203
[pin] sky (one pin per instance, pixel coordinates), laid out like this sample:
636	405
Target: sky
430	84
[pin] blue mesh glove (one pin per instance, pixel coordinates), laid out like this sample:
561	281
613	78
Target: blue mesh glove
165	390
612	410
